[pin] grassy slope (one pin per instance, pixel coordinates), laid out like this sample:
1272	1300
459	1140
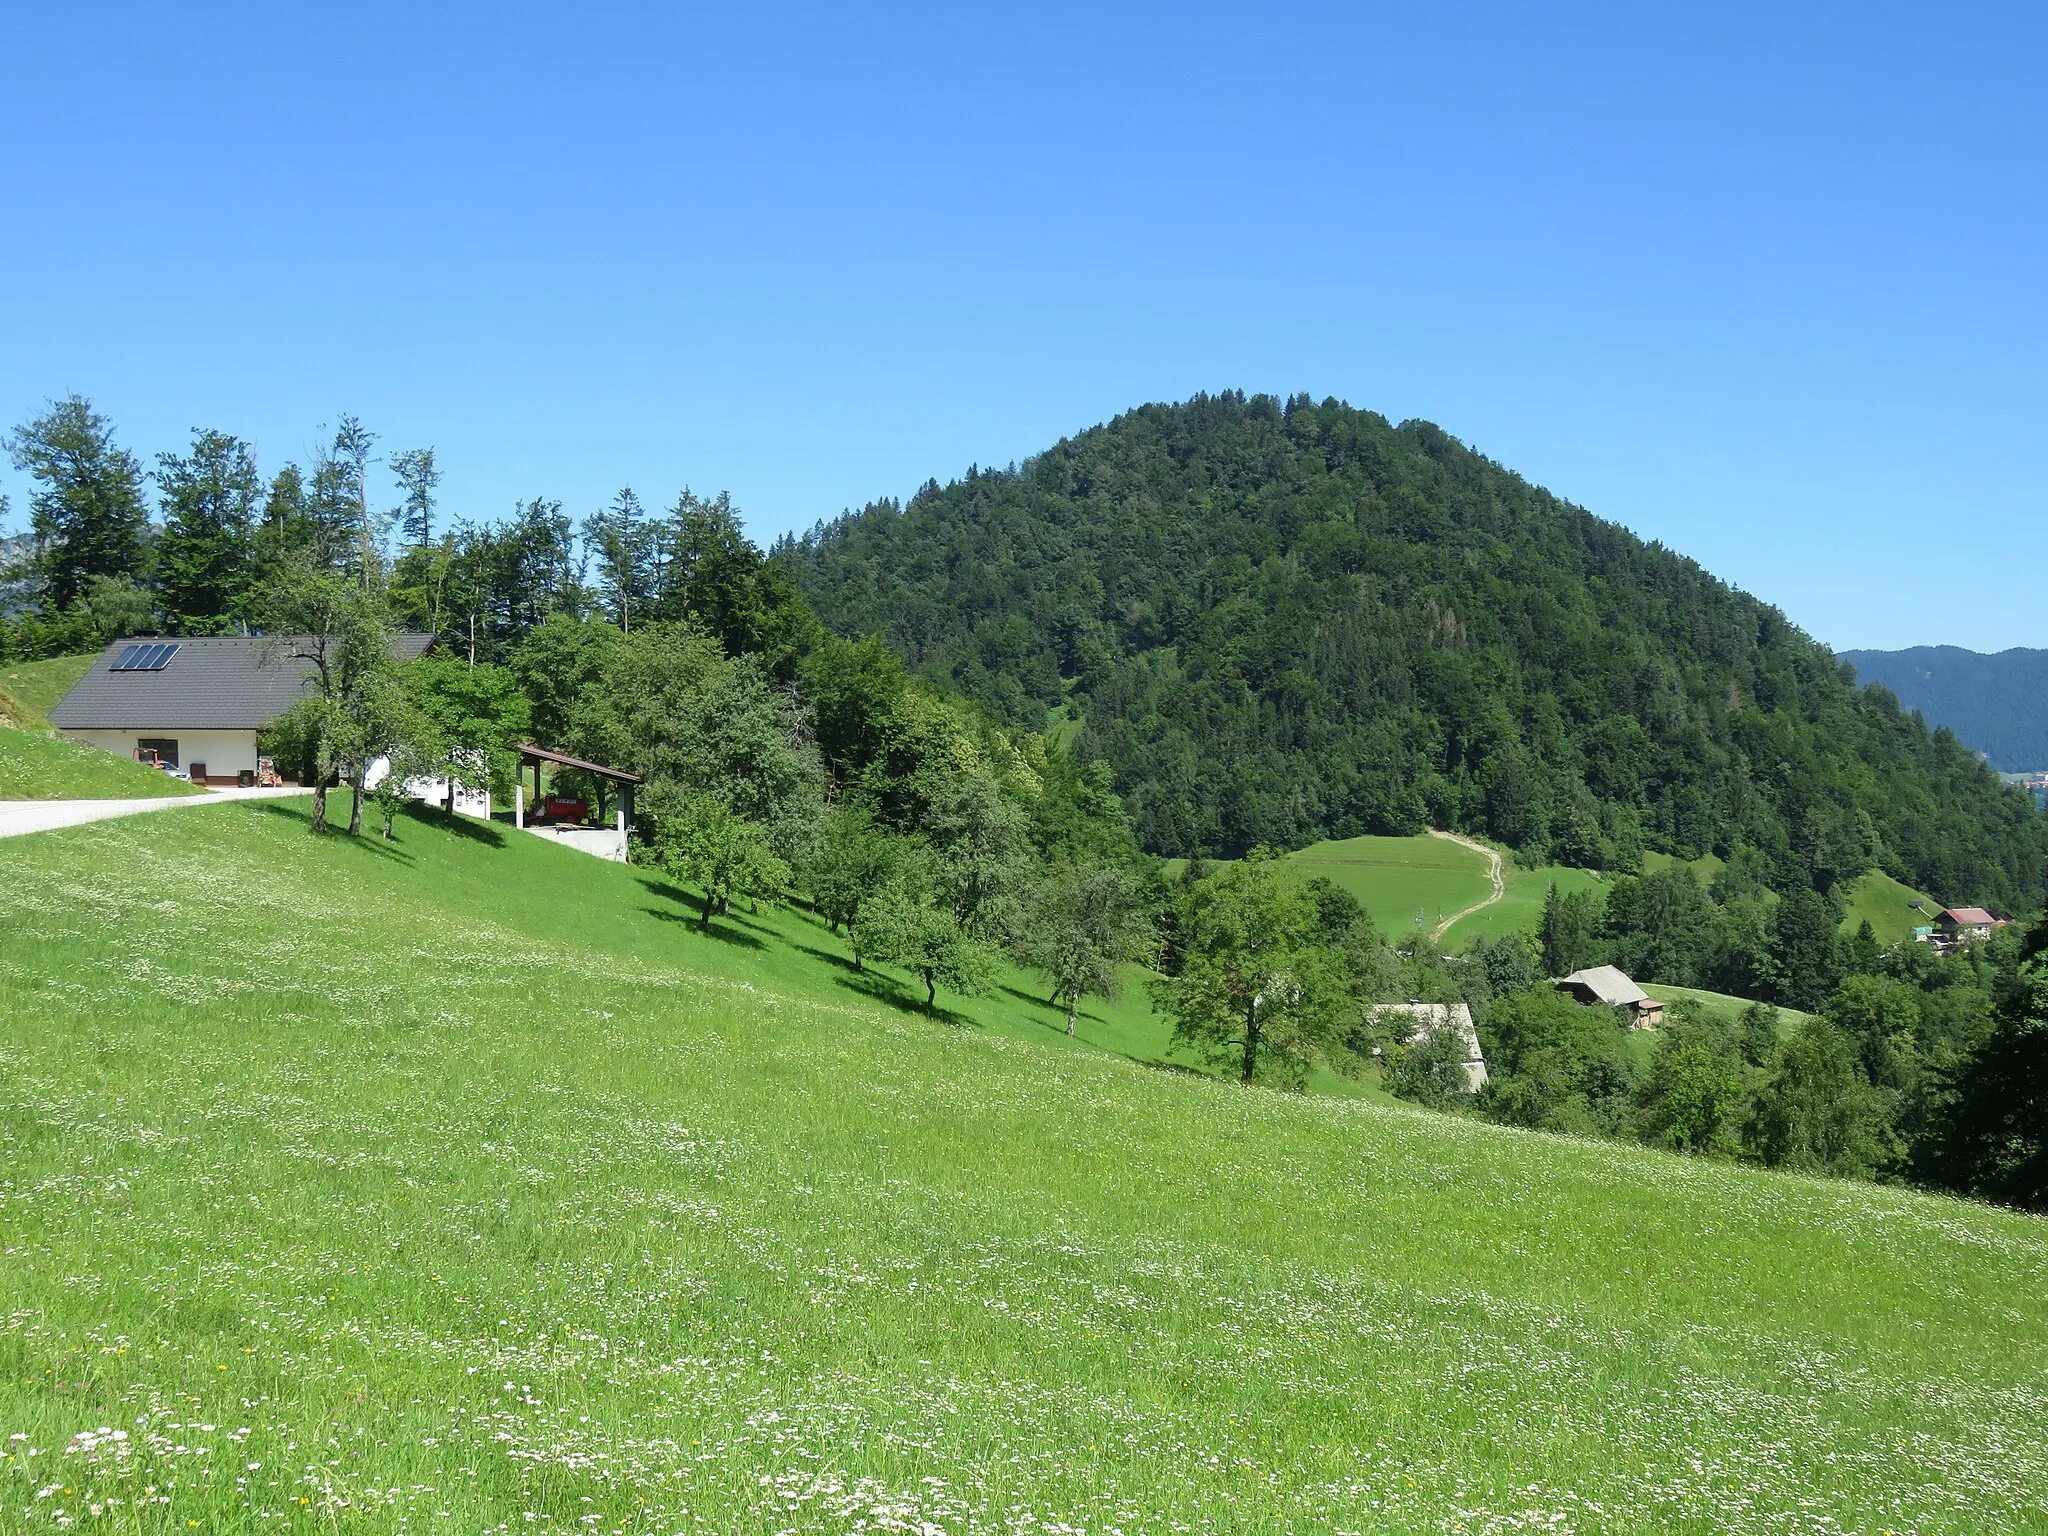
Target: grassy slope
1398	877
1400	880
38	767
1882	902
1720	1004
1521	909
29	690
462	1176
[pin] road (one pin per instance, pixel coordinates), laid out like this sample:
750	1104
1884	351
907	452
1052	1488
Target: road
1493	873
22	816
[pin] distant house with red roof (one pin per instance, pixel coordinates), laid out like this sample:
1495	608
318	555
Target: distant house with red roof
1957	925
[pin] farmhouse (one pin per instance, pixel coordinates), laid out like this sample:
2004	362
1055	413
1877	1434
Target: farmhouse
1422	1021
193	704
1956	925
1606	984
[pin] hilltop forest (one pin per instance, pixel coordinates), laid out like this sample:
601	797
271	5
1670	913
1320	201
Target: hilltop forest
1286	622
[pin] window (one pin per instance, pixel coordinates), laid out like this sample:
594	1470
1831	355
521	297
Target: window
164	748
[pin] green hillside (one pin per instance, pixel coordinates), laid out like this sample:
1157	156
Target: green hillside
1720	1004
38	767
1400	880
1286	623
1886	905
29	690
460	1184
1403	880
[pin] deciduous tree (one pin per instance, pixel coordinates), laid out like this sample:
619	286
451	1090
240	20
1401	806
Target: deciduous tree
1084	922
705	841
903	925
1256	986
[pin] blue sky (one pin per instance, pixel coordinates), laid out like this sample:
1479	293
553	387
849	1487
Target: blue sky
1762	283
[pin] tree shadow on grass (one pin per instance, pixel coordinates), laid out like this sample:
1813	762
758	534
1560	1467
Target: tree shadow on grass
689	908
1034	1001
843	962
370	840
878	988
462	826
721	928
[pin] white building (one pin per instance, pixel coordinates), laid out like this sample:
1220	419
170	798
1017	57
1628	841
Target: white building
196	704
1421	1021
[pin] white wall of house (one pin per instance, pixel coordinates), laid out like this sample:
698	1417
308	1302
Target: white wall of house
468	802
225	753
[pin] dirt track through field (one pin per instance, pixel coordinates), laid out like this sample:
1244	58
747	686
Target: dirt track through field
1493	873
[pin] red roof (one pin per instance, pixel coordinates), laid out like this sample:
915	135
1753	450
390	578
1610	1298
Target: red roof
1969	916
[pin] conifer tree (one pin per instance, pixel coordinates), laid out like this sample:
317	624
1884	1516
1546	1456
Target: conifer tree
418	476
86	513
204	555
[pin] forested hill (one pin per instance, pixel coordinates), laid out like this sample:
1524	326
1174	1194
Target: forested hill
1998	704
1285	623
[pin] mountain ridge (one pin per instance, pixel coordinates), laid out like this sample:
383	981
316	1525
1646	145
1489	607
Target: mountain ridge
1996	701
1280	622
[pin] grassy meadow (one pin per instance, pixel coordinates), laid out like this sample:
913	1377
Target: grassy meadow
1719	1005
1403	881
29	690
1883	902
34	766
460	1184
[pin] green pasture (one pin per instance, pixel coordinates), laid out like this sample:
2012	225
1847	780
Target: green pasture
29	690
1521	909
1398	878
1401	881
1719	1005
460	1184
1882	902
38	767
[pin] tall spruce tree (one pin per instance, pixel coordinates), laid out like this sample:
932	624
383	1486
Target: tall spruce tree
86	513
418	476
623	539
205	554
337	505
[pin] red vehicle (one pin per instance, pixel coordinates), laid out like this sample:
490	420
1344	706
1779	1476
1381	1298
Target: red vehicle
562	808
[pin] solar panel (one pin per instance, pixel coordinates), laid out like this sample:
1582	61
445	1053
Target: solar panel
143	658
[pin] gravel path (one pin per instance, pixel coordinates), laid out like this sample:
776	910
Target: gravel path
1500	884
21	816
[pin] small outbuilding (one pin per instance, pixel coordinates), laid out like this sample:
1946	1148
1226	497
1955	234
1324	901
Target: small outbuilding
566	821
1608	985
1422	1021
193	704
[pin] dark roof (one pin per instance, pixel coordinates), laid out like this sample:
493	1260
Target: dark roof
219	683
618	775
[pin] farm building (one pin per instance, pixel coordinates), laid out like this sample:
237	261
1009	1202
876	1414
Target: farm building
1421	1021
1956	925
1607	984
194	705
